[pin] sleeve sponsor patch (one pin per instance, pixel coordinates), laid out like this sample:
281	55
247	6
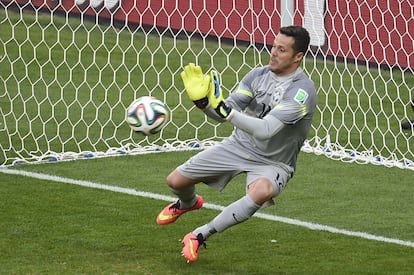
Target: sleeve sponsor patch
301	96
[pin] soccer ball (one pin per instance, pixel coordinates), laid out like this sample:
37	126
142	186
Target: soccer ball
147	115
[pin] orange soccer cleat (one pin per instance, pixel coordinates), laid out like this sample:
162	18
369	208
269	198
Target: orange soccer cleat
172	211
192	243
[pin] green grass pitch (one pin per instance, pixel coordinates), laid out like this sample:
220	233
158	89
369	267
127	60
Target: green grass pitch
53	227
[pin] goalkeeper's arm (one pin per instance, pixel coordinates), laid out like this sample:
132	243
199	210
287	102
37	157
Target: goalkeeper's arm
221	111
211	113
205	91
259	128
206	94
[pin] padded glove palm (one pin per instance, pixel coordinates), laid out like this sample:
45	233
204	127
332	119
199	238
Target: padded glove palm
196	85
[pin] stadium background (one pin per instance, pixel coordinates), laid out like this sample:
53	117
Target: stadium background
380	32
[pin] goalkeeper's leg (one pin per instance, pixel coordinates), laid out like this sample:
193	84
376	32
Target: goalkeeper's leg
184	189
260	191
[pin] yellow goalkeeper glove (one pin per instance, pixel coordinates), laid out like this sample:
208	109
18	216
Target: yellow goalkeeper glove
215	97
196	85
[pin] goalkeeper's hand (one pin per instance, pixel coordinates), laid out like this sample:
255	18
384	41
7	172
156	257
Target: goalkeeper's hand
196	85
215	97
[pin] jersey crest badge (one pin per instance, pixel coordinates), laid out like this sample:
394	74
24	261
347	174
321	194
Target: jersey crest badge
301	96
277	95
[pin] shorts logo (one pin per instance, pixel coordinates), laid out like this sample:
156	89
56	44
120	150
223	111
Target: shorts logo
301	96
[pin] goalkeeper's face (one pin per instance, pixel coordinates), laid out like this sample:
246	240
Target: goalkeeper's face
283	59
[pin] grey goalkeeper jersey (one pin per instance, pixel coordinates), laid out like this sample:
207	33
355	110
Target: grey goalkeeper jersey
285	107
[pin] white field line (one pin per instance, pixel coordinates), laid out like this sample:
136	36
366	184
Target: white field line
129	191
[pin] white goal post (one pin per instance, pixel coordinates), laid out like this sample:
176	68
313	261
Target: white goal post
69	69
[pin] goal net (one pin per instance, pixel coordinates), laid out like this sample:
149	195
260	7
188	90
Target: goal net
70	68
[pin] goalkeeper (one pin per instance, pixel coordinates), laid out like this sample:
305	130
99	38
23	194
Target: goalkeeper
272	111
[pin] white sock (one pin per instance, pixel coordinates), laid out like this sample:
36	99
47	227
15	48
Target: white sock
235	213
186	196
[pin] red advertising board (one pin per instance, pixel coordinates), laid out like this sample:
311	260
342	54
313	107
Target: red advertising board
375	31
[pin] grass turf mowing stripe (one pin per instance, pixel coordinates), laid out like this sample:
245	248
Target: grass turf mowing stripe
129	191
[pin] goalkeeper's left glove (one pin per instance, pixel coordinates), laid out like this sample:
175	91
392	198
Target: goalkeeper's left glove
215	97
196	85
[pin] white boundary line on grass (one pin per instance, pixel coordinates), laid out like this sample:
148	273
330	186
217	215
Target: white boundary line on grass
129	191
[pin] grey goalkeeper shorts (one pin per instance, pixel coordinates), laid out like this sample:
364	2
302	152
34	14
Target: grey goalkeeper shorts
217	165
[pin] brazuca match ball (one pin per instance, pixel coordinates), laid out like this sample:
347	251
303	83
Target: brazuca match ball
147	115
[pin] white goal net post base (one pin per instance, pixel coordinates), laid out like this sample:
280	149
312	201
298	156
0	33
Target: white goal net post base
70	69
329	150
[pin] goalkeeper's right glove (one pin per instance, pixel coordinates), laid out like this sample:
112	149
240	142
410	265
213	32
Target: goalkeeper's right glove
196	85
215	97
